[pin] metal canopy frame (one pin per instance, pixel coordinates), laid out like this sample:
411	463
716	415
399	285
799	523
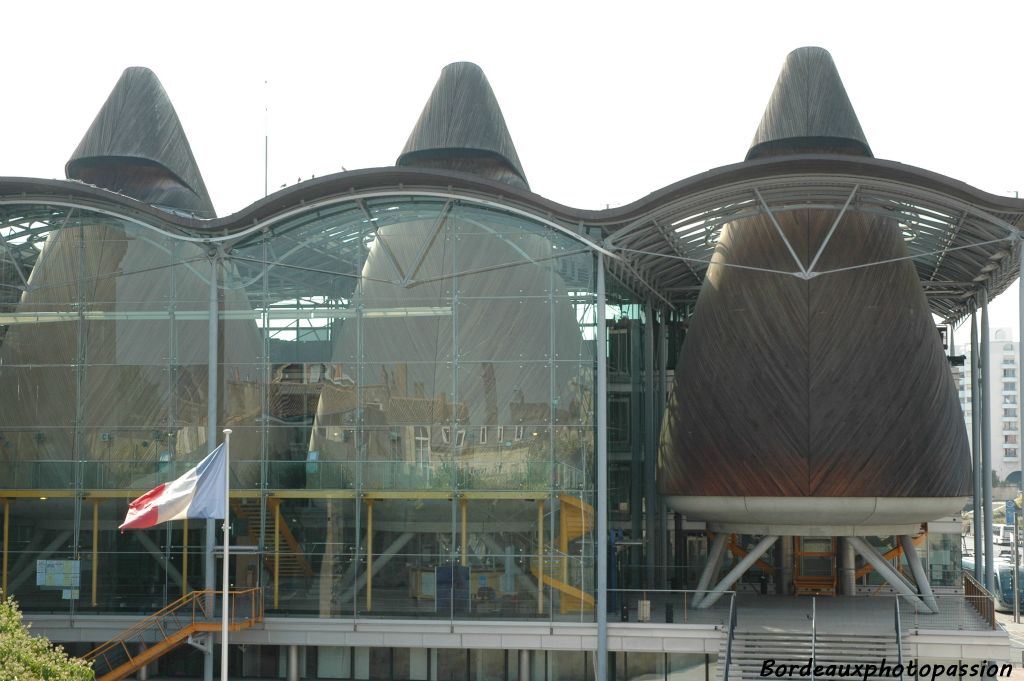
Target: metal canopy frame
957	247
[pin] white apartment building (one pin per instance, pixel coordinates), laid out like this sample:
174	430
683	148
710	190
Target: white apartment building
1005	399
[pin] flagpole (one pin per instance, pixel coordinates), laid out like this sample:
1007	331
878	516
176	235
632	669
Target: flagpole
225	597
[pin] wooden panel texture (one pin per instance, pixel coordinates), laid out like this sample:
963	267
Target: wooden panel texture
834	386
137	147
462	128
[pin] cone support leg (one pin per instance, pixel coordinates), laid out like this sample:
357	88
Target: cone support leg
737	572
914	560
887	573
711	568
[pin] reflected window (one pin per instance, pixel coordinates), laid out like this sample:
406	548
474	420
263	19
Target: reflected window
483	435
519	433
422	443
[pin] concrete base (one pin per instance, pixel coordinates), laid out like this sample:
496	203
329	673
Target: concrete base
817	516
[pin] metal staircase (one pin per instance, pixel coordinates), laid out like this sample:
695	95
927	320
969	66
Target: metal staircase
575	520
290	563
750	649
194	613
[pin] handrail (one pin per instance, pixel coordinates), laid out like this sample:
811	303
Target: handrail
976	593
814	632
899	638
729	637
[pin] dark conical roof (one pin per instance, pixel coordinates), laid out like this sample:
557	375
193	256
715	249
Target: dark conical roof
809	111
461	128
136	146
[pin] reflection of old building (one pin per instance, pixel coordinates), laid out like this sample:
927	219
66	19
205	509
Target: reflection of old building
415	361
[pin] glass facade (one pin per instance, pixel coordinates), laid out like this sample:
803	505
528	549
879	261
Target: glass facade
410	385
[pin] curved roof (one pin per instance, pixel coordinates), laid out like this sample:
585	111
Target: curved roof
960	238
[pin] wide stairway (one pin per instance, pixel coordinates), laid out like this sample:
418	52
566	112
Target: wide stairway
171	627
833	652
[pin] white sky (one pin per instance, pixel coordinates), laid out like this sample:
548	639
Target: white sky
606	102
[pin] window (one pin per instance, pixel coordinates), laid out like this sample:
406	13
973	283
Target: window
422	443
1009	439
1009	412
519	432
1009	425
501	434
460	438
446	435
1009	373
482	439
1009	399
1008	347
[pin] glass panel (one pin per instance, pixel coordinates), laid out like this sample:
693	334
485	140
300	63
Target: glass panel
42	530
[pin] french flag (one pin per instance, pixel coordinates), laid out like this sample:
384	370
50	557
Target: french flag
199	493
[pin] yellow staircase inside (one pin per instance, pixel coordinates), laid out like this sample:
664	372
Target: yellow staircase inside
290	563
575	520
170	627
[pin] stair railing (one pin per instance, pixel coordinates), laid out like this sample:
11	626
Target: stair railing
185	615
899	638
729	637
814	632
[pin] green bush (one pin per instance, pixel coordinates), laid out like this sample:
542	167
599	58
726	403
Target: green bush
24	657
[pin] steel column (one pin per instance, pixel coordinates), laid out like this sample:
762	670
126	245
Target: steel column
636	452
849	569
602	479
979	555
786	558
369	556
277	553
650	492
293	663
184	557
209	564
659	411
464	538
1020	367
524	666
95	547
7	534
986	441
540	556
